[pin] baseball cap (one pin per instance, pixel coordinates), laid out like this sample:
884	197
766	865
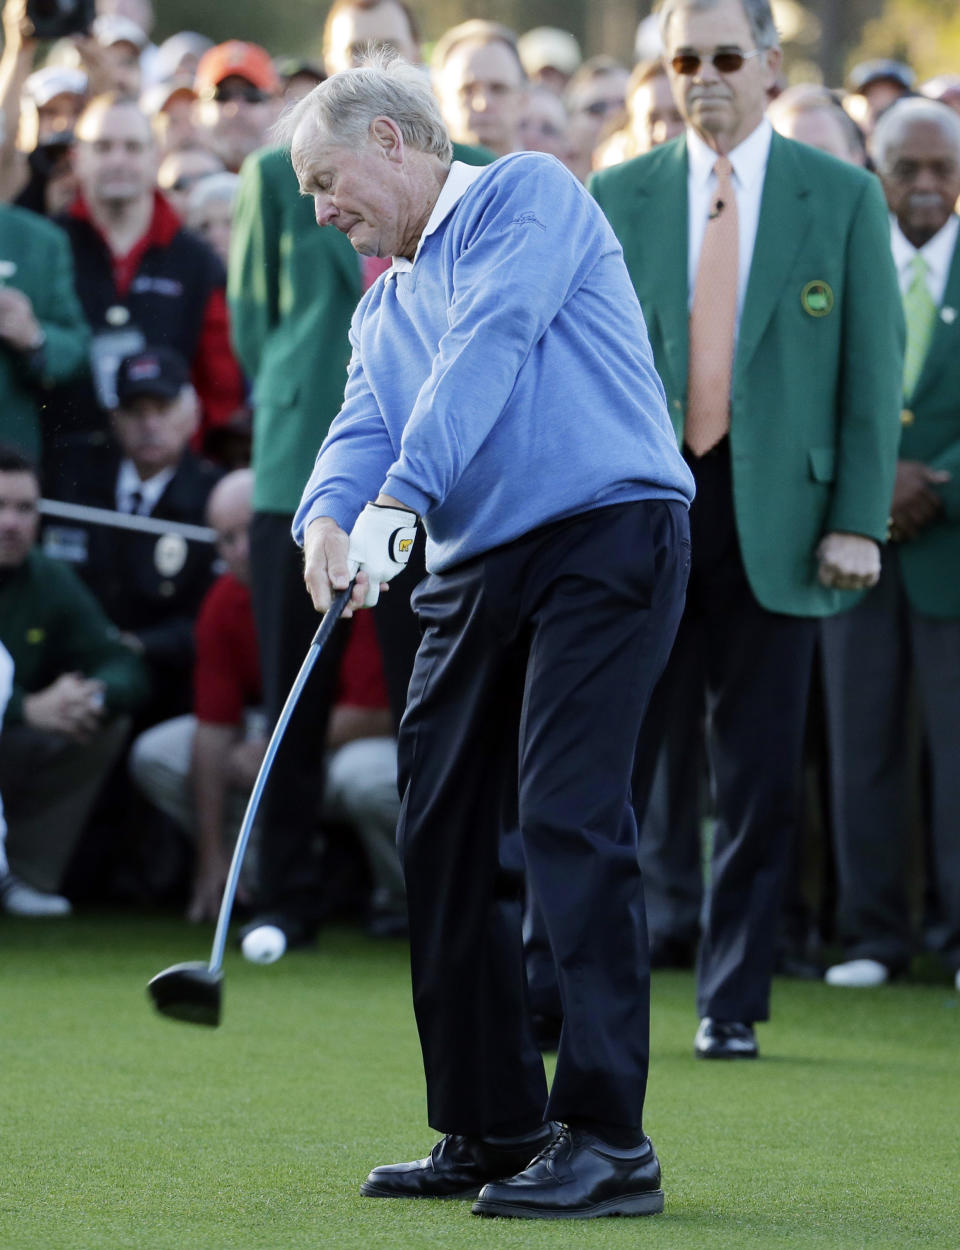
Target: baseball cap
867	72
548	47
156	98
160	372
245	60
170	54
45	84
111	28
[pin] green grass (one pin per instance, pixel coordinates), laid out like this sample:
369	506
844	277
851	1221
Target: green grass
123	1129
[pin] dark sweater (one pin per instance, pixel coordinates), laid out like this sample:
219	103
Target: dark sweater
51	624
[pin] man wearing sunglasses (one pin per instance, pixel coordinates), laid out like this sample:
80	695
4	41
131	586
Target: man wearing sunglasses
762	269
237	99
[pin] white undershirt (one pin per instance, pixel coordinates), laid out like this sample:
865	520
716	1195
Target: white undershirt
937	252
749	161
128	481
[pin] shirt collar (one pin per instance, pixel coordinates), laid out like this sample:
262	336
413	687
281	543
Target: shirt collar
937	252
458	180
749	158
128	481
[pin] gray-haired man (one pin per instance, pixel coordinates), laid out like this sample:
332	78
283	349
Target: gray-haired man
501	387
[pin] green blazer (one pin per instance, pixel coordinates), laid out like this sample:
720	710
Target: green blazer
35	258
931	434
815	397
292	289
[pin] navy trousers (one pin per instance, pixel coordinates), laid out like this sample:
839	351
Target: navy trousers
535	668
756	669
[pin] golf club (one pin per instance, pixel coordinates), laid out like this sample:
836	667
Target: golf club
193	992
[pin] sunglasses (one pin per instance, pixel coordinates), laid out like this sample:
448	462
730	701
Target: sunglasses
228	95
727	61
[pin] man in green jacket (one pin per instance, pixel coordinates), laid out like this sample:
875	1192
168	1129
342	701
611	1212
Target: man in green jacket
762	267
43	335
74	685
292	289
907	629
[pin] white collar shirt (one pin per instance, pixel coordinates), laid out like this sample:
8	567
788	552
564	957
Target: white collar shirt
458	180
937	252
129	484
749	160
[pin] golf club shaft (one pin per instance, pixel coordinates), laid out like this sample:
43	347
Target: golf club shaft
331	616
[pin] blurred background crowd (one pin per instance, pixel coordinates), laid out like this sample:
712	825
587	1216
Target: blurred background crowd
172	349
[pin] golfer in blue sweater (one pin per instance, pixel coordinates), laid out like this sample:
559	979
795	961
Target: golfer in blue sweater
501	390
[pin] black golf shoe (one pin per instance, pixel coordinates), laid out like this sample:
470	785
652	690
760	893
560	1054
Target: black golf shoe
578	1177
724	1039
457	1167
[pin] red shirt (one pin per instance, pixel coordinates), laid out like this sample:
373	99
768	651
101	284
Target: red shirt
362	682
226	675
227	668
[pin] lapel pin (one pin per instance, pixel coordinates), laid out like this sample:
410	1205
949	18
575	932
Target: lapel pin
949	315
816	298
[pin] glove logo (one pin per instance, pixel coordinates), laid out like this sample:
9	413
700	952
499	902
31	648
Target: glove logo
400	545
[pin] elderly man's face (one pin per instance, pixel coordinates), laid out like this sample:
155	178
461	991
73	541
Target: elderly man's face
355	190
482	92
724	108
921	179
19	518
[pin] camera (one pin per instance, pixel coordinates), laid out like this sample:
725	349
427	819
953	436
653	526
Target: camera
52	19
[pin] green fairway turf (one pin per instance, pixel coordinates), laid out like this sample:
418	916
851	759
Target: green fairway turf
124	1129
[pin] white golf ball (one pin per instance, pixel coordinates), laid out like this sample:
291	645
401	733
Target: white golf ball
264	945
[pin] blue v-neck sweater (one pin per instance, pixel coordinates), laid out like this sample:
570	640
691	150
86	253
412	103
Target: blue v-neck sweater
504	380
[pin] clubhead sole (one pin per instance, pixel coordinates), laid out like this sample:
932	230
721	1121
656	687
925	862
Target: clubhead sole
188	992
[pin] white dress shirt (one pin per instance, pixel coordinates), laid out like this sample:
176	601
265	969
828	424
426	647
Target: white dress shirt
150	490
937	252
749	161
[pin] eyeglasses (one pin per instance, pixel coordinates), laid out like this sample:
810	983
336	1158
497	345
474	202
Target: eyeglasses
727	61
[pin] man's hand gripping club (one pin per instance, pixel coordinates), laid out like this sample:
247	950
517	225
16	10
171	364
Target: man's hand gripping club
376	550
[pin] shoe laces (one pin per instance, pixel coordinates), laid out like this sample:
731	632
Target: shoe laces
564	1136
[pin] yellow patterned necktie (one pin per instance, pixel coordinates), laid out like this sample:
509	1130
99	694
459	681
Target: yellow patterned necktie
713	319
921	316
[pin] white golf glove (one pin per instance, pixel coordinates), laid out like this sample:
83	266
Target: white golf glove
380	544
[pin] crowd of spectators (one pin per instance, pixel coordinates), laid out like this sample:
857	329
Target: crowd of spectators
173	346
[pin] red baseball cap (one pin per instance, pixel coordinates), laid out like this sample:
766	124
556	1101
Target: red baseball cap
245	60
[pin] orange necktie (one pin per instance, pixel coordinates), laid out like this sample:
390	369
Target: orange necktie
713	320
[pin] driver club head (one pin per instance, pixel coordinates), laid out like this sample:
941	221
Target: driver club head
189	992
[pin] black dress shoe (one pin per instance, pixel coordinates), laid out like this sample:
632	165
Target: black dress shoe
457	1167
725	1039
578	1177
